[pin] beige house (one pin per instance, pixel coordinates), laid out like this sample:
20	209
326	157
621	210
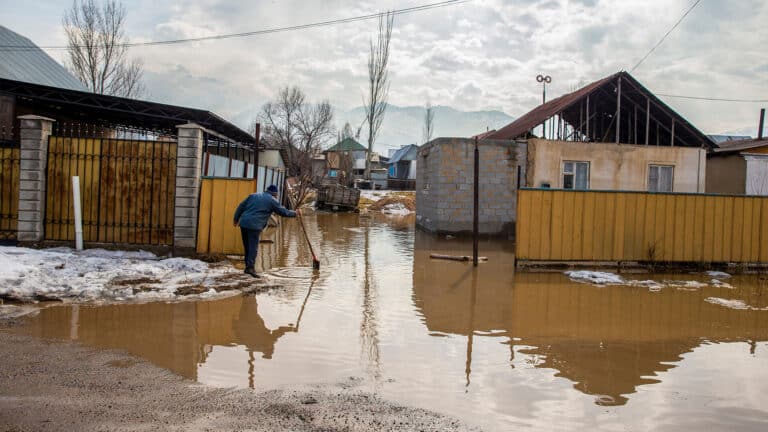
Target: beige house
607	166
613	134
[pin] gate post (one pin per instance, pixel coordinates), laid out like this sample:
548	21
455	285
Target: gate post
189	157
33	154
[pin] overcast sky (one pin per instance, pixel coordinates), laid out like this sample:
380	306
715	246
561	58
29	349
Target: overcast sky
480	55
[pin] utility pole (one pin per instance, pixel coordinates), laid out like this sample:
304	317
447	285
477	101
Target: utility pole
544	80
475	216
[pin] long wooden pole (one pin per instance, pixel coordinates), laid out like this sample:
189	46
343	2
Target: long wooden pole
315	261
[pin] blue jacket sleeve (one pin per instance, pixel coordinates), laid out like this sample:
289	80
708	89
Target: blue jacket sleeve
282	211
240	210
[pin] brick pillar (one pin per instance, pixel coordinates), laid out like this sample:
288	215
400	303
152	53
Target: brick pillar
34	132
188	172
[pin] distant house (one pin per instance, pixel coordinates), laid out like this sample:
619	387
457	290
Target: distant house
345	161
738	168
402	167
613	134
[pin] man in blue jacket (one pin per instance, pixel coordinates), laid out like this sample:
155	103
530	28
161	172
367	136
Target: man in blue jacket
252	216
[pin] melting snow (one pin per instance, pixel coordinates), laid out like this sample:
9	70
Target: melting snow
395	209
598	278
733	304
607	278
99	274
718	275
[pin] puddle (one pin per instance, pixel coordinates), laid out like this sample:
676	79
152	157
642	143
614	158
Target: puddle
498	349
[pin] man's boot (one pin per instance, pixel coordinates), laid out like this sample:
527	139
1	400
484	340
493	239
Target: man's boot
251	271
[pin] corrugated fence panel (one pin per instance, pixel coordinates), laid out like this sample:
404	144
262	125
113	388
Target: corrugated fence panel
556	225
219	198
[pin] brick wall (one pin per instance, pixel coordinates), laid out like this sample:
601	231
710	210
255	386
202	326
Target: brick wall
444	185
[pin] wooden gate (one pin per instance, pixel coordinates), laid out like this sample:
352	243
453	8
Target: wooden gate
9	191
127	186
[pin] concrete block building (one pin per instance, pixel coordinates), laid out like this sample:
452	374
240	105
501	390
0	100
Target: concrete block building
444	185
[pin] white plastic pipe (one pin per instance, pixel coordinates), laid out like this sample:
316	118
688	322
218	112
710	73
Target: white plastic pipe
78	214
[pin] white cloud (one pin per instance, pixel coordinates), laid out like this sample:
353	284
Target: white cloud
494	47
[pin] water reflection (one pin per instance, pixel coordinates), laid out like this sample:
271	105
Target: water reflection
606	340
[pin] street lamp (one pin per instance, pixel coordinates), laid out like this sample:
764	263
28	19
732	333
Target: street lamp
544	80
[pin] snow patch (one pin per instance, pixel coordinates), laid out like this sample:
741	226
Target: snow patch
396	209
594	277
94	274
718	275
733	304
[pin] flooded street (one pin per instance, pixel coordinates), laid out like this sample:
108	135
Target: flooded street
500	350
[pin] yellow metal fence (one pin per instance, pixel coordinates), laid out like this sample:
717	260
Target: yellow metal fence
218	200
557	225
9	193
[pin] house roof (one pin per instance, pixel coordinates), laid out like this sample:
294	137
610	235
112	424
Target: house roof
740	146
31	64
90	107
717	139
347	144
405	153
603	103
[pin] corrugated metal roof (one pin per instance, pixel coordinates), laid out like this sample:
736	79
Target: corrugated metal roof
33	65
718	139
408	152
740	145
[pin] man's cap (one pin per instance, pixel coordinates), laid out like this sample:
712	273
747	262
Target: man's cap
272	189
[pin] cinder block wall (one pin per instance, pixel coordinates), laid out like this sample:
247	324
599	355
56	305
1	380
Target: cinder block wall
444	185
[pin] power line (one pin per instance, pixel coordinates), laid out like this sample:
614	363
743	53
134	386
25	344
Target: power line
665	35
714	99
402	11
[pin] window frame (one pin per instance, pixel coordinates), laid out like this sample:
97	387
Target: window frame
574	173
659	167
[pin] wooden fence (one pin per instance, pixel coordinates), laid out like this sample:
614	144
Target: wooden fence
127	189
219	197
9	193
557	225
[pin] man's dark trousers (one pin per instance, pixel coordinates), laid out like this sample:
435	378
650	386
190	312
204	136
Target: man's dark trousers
250	245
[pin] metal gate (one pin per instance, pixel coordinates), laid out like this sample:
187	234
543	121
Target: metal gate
9	187
128	185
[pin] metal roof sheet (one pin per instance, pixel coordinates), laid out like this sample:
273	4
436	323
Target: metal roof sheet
32	65
740	145
408	152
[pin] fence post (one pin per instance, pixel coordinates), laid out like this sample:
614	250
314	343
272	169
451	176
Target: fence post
33	154
189	158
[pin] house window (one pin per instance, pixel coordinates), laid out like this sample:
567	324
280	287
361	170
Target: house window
576	175
660	178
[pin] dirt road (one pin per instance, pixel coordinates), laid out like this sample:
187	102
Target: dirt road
50	386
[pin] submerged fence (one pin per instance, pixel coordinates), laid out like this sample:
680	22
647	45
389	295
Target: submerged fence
557	225
128	182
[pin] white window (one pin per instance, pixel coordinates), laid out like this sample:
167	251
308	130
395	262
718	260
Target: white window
660	178
576	175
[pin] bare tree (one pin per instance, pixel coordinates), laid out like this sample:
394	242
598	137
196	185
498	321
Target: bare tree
375	102
98	54
346	132
299	129
429	122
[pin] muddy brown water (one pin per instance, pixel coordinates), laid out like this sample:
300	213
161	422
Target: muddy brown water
498	349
